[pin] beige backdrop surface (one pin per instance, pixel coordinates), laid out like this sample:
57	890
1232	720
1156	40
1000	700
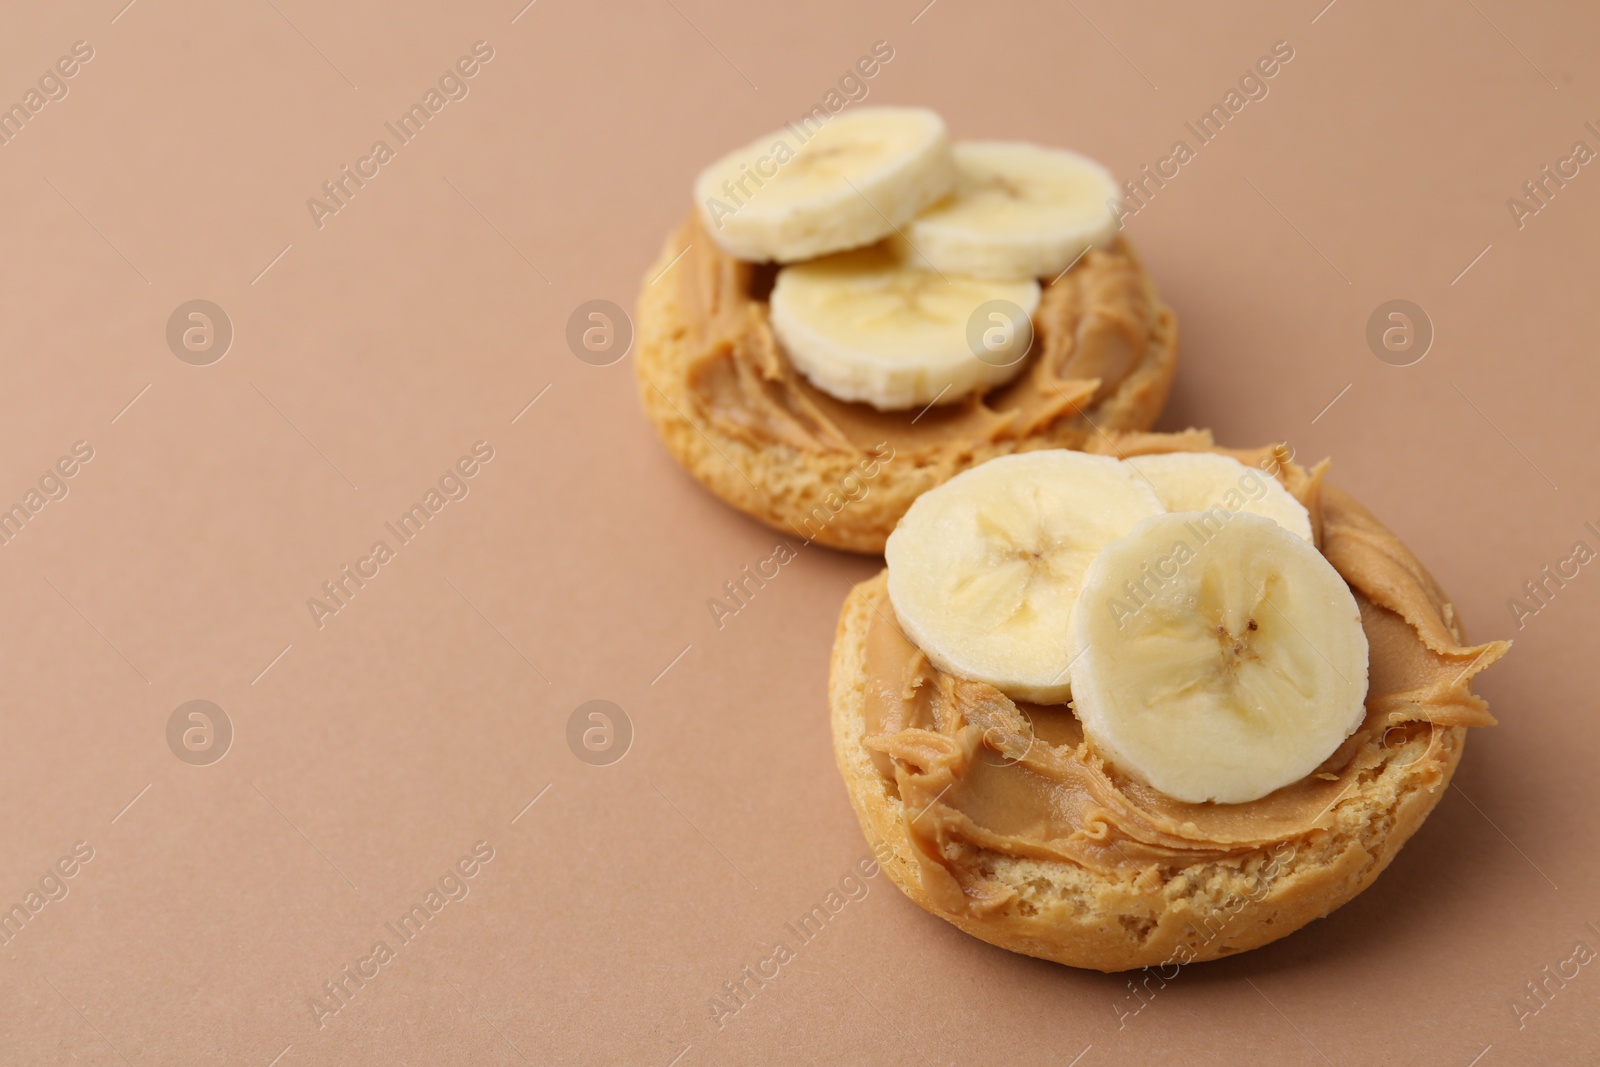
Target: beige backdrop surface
375	346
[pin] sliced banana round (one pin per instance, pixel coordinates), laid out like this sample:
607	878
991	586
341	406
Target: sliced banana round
864	326
984	570
1205	481
800	192
1018	211
1217	656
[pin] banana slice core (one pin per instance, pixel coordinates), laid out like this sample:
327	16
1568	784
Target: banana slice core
1018	211
809	190
985	569
1216	656
865	326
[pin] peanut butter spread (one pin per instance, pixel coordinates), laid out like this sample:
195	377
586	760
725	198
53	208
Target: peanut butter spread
1094	325
976	771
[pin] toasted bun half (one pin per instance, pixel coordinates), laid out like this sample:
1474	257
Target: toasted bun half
812	493
1113	922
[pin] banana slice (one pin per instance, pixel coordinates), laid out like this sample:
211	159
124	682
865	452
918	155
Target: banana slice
1201	481
1217	656
1018	211
984	570
798	192
864	326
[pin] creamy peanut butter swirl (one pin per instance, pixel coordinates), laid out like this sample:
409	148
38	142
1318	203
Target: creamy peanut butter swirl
976	771
1094	325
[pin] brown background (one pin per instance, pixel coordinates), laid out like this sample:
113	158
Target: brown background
425	717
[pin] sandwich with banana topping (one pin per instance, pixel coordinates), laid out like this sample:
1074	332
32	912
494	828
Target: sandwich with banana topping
1147	707
867	294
